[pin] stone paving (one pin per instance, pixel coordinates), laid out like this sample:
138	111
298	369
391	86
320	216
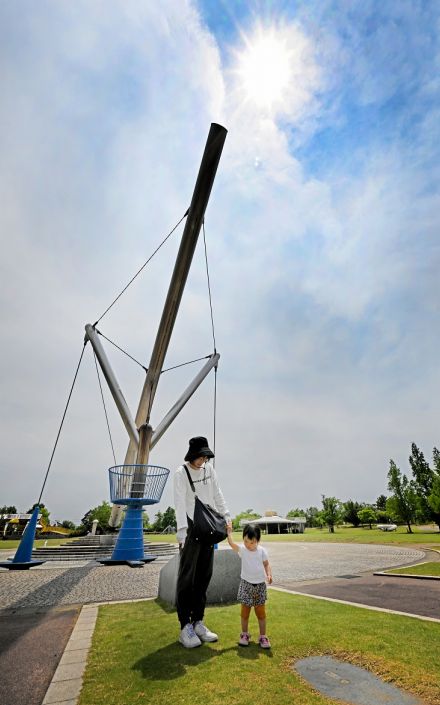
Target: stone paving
313	561
81	583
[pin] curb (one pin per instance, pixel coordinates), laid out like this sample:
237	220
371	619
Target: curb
407	575
411	575
66	683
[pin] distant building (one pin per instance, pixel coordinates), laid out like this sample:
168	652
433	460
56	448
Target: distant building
273	524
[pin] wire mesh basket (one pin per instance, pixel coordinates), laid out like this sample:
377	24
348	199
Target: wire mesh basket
137	484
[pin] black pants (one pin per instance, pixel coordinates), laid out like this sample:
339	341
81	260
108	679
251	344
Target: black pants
195	572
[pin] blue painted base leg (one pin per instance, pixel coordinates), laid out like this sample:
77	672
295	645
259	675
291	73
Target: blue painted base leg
23	555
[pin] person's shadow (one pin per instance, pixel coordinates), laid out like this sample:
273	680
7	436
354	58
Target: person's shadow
173	661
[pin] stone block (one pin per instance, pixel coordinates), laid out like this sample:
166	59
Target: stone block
224	582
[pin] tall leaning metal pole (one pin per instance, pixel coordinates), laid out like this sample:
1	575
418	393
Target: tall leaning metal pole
196	212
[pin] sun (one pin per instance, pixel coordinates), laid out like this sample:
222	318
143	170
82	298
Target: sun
264	68
275	72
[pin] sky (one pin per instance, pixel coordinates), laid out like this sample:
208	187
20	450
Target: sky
321	230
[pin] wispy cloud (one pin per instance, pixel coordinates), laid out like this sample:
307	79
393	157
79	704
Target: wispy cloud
321	229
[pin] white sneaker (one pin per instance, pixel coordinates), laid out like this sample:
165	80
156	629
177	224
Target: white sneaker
188	637
203	632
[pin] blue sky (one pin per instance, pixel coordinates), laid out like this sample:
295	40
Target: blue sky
322	237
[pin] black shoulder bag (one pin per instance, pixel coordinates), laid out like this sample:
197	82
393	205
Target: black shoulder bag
209	525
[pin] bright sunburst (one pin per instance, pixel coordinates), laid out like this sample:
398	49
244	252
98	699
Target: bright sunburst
264	69
275	70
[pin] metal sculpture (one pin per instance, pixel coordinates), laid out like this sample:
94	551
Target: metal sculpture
142	437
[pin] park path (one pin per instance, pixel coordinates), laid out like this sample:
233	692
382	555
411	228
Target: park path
401	595
301	561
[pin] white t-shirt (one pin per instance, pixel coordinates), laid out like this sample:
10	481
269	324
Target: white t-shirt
252	568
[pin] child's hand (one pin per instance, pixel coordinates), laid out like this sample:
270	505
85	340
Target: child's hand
269	579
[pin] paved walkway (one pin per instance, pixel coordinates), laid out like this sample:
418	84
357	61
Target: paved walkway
51	585
312	561
55	584
39	608
31	645
401	595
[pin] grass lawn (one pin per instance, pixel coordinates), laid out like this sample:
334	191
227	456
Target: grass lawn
135	657
348	534
12	544
342	534
420	569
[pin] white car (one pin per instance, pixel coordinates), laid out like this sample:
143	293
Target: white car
387	527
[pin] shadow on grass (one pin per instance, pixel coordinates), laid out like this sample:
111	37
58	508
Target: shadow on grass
252	652
173	661
165	606
169	609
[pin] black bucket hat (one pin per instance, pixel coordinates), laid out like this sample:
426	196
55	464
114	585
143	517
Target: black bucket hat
198	447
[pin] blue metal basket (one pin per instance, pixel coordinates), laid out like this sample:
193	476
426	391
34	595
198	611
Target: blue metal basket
137	484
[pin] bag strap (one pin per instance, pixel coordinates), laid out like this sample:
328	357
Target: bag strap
189	479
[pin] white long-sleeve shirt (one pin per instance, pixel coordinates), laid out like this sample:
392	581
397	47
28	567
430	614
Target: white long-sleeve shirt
207	489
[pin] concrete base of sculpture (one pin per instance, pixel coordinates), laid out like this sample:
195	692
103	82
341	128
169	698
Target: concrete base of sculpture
224	582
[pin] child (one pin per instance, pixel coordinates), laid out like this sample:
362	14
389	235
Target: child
255	570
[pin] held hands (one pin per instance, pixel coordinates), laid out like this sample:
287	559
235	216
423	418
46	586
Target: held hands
233	545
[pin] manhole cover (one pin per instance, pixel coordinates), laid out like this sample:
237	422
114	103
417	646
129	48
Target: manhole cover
348	577
351	684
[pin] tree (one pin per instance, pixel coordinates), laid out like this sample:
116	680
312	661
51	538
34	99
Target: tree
45	514
66	524
381	502
169	518
436	459
423	478
292	513
382	516
434	497
350	512
102	513
164	519
157	523
319	520
367	515
331	512
8	509
247	514
312	517
402	504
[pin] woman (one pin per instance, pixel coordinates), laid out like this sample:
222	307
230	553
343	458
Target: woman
196	558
